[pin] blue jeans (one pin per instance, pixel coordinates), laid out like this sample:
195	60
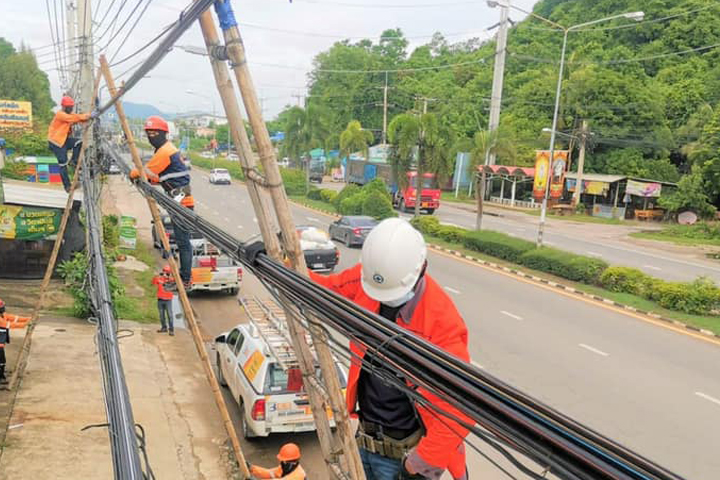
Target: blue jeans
62	157
182	240
378	467
165	311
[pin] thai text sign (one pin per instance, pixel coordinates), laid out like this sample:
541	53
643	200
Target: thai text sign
15	114
643	189
555	173
128	232
26	223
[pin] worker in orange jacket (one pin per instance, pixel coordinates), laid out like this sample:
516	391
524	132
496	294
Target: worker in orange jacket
164	300
59	139
391	281
289	468
167	168
7	322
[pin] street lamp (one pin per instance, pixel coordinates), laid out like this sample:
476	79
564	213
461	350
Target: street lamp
636	16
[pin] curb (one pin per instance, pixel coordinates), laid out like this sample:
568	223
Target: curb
577	292
551	283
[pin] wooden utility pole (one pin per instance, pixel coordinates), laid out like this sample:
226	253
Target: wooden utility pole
189	315
70	38
332	390
498	75
581	164
25	347
84	25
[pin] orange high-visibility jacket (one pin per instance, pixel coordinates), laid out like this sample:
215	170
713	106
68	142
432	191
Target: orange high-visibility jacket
8	321
259	472
430	315
159	281
167	165
60	126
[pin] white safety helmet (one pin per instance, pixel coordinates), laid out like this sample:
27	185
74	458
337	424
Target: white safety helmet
393	257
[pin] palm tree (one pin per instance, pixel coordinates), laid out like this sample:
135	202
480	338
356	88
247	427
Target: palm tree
485	143
420	140
305	129
355	139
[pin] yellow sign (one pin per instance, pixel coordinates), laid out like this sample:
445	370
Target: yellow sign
542	164
17	115
201	275
253	364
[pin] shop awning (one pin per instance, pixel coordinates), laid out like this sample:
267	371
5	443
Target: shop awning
596	177
17	192
511	171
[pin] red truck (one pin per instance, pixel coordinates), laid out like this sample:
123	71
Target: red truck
361	172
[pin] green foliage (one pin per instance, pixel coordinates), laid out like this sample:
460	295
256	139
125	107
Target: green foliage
75	273
627	280
294	181
232	167
15	170
355	139
377	185
497	244
577	268
314	194
377	205
111	231
428	225
352	205
29	143
452	234
327	195
348	191
305	129
22	79
699	297
690	195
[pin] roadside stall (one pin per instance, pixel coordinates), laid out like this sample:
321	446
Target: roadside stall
600	193
641	198
514	176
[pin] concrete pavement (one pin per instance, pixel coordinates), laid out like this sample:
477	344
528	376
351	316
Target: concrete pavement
652	389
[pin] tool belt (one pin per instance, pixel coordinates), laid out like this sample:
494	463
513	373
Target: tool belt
375	439
174	192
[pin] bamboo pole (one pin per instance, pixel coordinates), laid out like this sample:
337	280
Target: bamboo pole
236	54
242	142
189	315
27	341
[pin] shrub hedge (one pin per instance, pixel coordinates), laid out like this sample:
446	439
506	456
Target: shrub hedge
497	244
627	280
577	268
352	205
314	194
699	297
327	195
377	205
348	191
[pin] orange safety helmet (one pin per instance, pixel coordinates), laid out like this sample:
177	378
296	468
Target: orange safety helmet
156	123
2	304
166	269
289	453
67	101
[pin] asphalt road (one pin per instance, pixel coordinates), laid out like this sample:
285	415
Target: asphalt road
654	390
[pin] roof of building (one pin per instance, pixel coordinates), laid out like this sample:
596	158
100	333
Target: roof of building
510	170
596	177
36	195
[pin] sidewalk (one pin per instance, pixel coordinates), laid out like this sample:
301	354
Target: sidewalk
61	393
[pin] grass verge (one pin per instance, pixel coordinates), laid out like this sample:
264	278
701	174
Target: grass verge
308	202
700	321
668	236
141	308
582	218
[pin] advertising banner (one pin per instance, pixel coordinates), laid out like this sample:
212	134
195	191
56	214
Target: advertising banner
15	115
643	189
557	180
128	232
589	187
27	223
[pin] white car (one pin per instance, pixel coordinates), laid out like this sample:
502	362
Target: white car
233	156
269	390
284	163
219	175
207	155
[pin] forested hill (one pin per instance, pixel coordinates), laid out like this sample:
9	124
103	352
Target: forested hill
647	89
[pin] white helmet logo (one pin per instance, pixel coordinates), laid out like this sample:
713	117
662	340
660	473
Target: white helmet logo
377	278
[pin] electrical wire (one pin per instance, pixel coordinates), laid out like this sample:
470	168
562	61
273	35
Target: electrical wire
388	5
132	29
144	47
122	26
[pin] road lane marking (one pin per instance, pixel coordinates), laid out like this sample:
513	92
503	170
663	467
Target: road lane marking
652	267
313	219
226	219
255	219
452	290
594	254
594	350
239	226
707	397
511	315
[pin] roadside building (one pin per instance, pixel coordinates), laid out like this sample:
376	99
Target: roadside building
30	216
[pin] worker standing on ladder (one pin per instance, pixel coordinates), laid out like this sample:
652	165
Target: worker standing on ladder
59	139
289	468
167	168
391	281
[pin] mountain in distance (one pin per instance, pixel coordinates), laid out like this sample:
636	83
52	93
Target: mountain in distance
144	110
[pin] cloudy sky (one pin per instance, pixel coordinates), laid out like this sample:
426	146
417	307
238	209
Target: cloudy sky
276	33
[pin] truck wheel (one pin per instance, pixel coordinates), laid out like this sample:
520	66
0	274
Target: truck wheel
221	378
233	291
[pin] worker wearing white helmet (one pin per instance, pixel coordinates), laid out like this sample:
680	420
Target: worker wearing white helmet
397	437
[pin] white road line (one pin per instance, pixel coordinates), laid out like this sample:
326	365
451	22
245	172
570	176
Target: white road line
511	315
707	397
452	290
652	267
226	219
594	254
255	219
239	226
477	365
594	350
451	224
313	219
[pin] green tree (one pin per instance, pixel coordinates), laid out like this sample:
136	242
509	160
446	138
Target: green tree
22	79
690	195
355	139
305	129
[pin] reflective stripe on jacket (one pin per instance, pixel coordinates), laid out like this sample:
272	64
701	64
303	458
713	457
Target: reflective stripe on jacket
60	126
160	282
259	472
430	315
167	167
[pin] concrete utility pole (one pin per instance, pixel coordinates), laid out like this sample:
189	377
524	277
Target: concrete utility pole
70	39
581	163
498	76
385	107
84	23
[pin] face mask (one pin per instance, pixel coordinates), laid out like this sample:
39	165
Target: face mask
400	301
288	467
68	109
157	140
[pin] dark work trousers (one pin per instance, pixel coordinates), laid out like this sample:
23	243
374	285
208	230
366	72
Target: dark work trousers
182	240
61	153
165	311
2	363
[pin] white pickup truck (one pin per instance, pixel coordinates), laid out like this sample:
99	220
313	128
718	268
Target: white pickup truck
215	273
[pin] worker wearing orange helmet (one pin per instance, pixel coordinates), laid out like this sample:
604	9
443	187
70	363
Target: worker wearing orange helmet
167	168
59	139
163	281
289	468
7	322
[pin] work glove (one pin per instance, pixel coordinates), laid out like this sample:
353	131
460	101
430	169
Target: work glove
165	254
94	114
251	252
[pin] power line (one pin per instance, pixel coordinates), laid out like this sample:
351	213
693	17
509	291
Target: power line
387	6
651	21
144	47
127	19
134	25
